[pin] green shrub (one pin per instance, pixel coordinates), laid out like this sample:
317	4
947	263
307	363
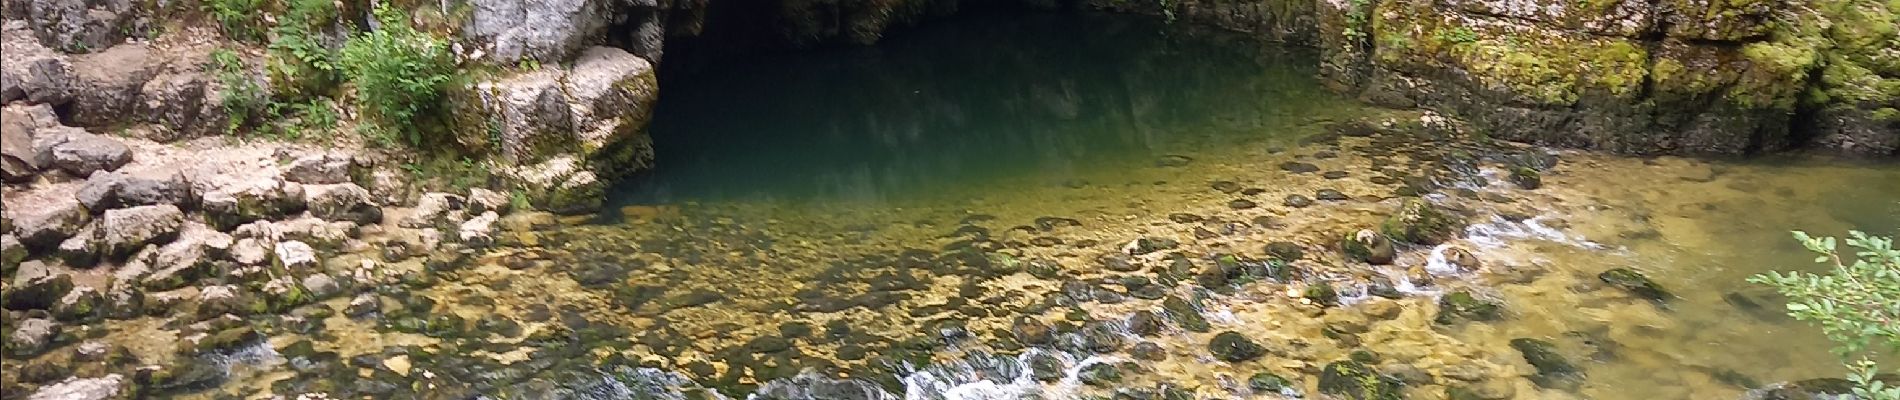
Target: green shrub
241	98
399	74
1857	304
240	20
299	65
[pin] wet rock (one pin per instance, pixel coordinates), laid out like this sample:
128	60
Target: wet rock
1462	259
1144	323
224	342
1335	175
1331	195
1543	356
436	210
130	229
1526	178
342	202
1148	351
80	153
1031	332
1285	251
1298	167
1298	201
1321	294
294	255
102	388
1100	375
106	190
1355	381
1045	367
12	253
1406	373
1184	314
1173	160
1118	262
1369	246
1043	268
217	300
1635	283
321	286
1463	306
363	304
1418	221
479	232
1228	187
320	169
1100	337
1268	382
1242	204
37	287
1814	389
124	300
1151	244
46	222
32	336
1231	346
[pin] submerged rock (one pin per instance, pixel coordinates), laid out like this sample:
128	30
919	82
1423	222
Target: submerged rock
1100	374
1285	251
1184	314
1526	178
1551	366
1298	201
1635	283
1231	346
1369	246
1462	305
1353	380
1420	222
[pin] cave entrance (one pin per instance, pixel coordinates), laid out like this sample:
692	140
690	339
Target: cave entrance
985	101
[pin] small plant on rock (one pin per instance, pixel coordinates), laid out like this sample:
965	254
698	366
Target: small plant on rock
240	96
1857	304
399	74
240	20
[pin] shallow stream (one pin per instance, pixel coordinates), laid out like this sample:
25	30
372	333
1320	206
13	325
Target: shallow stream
879	222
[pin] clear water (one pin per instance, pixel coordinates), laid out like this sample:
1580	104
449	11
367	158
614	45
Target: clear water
799	190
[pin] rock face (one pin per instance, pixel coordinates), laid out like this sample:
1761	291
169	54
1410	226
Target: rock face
1631	76
564	132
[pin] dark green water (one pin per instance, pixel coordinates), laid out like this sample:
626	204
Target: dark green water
965	102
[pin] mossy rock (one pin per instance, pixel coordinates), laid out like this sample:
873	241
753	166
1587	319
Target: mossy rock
1635	283
1234	347
1461	305
1268	382
1355	381
1184	314
1551	366
1368	246
1419	222
1526	178
1285	251
1322	294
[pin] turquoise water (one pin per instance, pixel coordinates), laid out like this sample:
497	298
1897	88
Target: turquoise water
977	100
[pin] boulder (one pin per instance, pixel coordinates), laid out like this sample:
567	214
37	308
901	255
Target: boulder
479	232
37	287
483	200
250	251
1462	305
42	220
30	71
342	202
436	210
32	336
106	190
176	105
18	162
78	152
321	286
79	305
83	249
12	253
111	386
186	259
320	169
106	84
539	30
128	229
1233	347
564	133
217	300
80	25
232	203
294	256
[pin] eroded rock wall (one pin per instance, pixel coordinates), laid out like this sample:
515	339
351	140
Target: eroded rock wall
1644	77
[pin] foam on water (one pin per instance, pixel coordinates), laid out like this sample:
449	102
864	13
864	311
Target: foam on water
1498	232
